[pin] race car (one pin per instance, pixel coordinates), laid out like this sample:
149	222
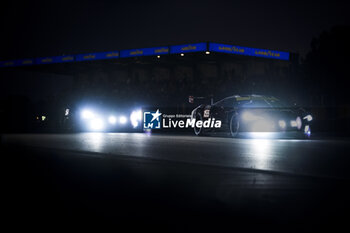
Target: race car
253	113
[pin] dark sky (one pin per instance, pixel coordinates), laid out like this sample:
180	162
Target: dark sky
48	28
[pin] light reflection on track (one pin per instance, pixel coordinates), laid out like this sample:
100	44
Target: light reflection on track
307	157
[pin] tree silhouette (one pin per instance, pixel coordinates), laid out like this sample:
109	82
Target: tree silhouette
327	66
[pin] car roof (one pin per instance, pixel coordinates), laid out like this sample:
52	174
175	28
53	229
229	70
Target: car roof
247	97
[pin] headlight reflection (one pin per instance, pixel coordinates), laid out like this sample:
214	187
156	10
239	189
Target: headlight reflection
260	150
94	141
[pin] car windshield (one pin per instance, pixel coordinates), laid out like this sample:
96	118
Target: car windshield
258	102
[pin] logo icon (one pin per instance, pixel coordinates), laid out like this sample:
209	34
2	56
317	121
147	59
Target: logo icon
151	120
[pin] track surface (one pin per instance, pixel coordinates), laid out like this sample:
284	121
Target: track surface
324	158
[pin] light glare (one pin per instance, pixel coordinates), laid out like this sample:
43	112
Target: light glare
96	124
112	120
248	116
262	126
87	114
135	118
122	120
293	123
282	124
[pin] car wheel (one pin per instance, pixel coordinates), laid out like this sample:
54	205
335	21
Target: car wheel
198	130
234	125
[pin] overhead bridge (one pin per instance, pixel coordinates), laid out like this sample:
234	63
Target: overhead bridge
205	47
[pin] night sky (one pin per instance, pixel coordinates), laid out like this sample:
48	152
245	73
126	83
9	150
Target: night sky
49	28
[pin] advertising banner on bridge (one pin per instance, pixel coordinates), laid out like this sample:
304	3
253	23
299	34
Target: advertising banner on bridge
155	51
144	52
233	49
24	62
7	63
55	59
189	48
97	56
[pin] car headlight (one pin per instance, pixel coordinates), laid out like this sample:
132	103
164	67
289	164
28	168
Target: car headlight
308	118
135	118
112	120
123	120
296	123
299	123
96	124
87	114
282	124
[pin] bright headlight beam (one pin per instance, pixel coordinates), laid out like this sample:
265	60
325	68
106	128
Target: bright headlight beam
282	124
299	123
135	118
87	114
112	120
293	123
248	116
123	120
262	126
96	124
